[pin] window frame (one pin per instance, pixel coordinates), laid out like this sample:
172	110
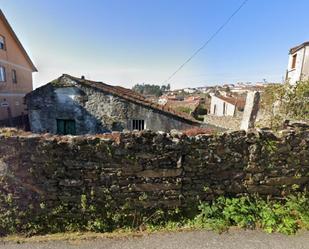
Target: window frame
14	76
294	59
138	124
4	43
4	73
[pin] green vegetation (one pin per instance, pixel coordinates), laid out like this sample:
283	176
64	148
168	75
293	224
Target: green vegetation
284	101
285	216
147	89
183	109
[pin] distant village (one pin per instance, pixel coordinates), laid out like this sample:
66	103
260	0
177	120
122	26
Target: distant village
72	105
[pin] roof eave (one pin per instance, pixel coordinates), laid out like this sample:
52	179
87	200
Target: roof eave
297	48
2	16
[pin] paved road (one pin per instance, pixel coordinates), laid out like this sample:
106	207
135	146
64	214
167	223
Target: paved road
181	240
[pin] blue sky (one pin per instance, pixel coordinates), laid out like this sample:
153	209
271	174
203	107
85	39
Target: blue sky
124	42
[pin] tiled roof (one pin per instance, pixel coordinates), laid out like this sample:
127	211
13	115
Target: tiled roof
129	95
238	102
193	104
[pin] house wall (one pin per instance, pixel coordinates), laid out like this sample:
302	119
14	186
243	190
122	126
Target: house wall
219	103
301	70
12	94
93	111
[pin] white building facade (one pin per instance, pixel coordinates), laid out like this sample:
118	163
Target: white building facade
298	66
219	106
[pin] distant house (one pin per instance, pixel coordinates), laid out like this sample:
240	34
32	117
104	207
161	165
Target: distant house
225	105
70	105
188	105
16	70
298	67
189	90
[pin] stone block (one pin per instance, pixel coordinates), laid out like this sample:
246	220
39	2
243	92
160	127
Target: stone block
288	180
160	173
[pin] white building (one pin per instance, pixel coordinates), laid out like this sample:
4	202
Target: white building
189	90
298	67
225	106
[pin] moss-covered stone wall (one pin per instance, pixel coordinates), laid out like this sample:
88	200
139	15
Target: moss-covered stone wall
126	173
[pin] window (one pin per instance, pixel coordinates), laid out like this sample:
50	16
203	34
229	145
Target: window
4	103
224	108
215	109
2	74
66	127
2	42
138	124
14	76
294	61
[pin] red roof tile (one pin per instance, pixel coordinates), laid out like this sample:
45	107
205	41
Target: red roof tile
238	102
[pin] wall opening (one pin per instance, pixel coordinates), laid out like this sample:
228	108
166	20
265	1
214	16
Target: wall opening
66	127
138	124
294	61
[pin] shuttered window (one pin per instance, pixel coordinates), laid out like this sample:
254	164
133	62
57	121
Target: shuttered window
138	124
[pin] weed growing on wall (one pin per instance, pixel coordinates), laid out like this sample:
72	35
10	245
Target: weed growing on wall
285	101
285	216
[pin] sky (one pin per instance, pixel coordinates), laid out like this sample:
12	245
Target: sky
125	42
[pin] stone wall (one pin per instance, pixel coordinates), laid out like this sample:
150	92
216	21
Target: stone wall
150	170
225	122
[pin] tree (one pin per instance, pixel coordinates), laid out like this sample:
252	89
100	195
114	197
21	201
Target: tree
147	89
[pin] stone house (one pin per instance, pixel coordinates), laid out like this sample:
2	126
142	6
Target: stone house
226	105
298	66
16	70
70	105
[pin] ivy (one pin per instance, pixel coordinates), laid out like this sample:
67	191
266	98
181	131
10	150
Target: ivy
285	101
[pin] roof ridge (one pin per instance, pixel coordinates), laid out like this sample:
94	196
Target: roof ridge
134	97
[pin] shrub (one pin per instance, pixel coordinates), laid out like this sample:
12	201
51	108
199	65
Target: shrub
286	216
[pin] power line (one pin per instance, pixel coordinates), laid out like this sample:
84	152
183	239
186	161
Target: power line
207	42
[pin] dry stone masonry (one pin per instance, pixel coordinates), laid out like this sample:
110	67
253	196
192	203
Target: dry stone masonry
147	170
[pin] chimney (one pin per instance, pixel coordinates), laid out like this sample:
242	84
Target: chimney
82	77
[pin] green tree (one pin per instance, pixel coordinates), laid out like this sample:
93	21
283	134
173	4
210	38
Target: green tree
147	89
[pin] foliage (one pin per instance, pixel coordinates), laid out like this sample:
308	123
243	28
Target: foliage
285	101
183	109
297	101
285	216
147	89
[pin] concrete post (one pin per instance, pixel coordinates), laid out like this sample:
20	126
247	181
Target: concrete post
251	110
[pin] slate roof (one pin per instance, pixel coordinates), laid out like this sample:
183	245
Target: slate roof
123	93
